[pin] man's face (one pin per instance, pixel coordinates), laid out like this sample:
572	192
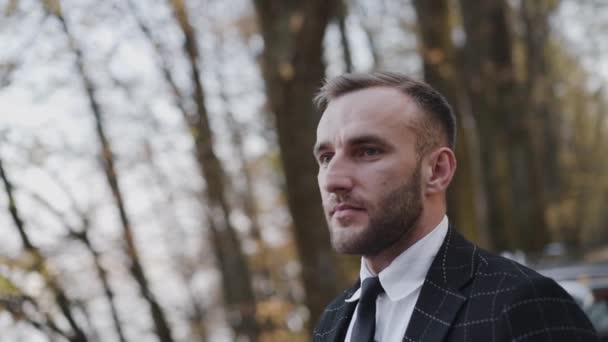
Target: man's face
369	174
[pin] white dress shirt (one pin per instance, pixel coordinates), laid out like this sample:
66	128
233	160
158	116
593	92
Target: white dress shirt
402	281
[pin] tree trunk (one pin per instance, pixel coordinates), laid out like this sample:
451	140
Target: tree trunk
293	71
341	16
515	210
236	278
161	326
544	117
466	196
236	289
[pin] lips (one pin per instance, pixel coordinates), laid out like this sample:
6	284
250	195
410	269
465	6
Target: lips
343	207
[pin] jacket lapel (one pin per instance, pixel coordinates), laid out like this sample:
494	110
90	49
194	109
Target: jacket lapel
342	321
440	298
338	318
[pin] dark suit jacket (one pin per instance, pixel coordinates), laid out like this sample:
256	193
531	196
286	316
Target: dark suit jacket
472	295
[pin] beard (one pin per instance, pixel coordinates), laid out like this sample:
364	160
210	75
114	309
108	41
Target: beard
390	219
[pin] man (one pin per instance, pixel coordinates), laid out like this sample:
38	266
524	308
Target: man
385	148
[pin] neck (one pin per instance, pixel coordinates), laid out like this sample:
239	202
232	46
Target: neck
427	222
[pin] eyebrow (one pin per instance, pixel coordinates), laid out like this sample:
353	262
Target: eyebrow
357	140
367	139
319	147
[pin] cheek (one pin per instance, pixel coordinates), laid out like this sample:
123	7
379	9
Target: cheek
322	191
379	179
375	187
324	197
320	182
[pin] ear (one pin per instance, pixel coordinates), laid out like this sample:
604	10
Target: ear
440	169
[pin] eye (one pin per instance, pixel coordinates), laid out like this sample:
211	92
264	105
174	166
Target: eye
371	151
368	151
324	158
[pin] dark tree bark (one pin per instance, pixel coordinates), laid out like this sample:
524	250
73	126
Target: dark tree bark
466	196
540	95
261	268
515	208
238	292
236	279
293	70
161	326
341	16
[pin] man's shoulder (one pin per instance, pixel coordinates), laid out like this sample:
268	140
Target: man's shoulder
527	302
492	264
512	276
460	262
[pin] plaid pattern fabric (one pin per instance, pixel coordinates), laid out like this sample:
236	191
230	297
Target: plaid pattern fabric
472	295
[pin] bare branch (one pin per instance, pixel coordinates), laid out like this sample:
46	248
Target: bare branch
161	325
60	296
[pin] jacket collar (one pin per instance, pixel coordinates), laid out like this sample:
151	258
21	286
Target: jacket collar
441	297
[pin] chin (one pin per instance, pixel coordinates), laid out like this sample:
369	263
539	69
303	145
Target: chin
347	231
347	240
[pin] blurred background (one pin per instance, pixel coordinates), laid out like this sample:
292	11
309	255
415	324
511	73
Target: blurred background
155	155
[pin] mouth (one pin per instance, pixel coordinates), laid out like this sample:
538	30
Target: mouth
344	208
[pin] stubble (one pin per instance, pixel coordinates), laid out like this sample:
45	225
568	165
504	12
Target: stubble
392	218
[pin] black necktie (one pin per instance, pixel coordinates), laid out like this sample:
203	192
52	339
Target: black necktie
365	325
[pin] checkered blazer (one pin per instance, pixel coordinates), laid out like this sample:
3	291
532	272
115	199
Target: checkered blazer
472	295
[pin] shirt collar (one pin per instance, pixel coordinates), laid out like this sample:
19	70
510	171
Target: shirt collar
406	273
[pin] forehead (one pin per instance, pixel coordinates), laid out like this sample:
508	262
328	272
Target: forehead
383	111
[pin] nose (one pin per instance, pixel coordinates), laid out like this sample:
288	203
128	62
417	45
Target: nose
337	176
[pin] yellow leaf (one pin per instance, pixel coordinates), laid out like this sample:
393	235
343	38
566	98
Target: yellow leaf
8	289
11	7
435	56
52	6
296	21
286	71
